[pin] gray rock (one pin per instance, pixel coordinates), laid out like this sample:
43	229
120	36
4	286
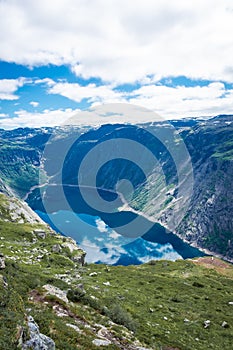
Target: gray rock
93	274
52	290
206	323
2	262
80	259
225	324
56	248
101	342
37	341
40	233
76	328
3	281
106	283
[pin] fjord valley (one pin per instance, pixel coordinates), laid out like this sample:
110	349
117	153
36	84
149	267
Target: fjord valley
207	222
162	289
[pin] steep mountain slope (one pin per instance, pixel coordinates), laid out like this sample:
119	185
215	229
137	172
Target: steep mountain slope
48	300
208	222
20	159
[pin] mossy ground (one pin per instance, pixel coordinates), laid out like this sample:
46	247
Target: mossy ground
170	302
162	304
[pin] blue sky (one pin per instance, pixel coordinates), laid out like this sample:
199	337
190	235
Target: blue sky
57	58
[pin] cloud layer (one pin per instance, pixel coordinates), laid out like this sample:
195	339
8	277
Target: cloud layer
117	52
169	102
122	42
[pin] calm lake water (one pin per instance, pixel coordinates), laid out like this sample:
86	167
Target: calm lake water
117	237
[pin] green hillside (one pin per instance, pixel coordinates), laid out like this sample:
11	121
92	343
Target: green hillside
160	305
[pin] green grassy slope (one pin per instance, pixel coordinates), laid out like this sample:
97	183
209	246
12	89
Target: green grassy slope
160	305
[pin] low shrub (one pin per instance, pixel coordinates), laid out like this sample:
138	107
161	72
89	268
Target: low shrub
76	294
120	316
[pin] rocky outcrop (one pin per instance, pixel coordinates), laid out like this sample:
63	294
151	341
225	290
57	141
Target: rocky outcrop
51	290
15	210
78	255
37	341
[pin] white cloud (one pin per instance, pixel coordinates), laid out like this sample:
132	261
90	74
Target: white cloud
95	253
45	118
3	115
8	87
167	251
122	42
141	41
103	113
180	101
101	226
34	103
44	81
90	92
114	235
167	101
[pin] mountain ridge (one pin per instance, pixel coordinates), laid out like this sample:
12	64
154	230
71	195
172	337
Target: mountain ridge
208	223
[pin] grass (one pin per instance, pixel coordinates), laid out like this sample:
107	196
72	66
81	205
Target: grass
164	303
161	304
162	296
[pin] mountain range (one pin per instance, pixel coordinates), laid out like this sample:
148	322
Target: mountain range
33	157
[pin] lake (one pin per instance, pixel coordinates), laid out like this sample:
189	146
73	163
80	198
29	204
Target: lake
115	237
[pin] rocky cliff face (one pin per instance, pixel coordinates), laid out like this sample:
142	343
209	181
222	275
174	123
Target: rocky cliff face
208	223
